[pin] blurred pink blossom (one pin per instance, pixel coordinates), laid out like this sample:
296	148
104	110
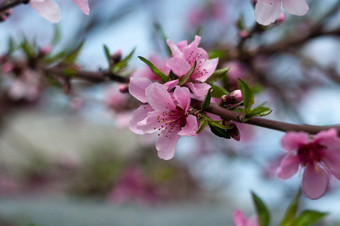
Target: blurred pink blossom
268	11
27	86
319	156
240	220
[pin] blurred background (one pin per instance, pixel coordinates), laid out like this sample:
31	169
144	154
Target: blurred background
70	159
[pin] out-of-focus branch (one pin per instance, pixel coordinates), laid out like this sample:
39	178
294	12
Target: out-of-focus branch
266	123
91	76
11	4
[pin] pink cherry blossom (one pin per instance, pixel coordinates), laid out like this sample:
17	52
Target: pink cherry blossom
26	87
83	6
184	57
319	156
48	9
240	220
267	11
166	113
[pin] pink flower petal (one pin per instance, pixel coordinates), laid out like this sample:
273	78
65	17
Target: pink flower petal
199	90
182	96
171	84
239	219
295	7
47	9
159	98
293	140
289	166
83	6
159	63
178	66
175	51
314	181
267	11
196	42
331	159
205	69
327	138
190	127
139	115
182	44
166	144
137	88
155	121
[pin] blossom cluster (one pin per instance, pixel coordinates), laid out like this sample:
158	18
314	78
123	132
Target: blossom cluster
51	12
165	107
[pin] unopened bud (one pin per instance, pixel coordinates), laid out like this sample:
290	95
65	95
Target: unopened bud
281	18
234	132
124	88
244	33
234	97
117	56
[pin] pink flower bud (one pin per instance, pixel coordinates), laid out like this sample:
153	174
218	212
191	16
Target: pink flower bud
234	97
281	18
124	88
117	56
243	33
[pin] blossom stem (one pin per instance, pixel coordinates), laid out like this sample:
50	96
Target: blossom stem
261	122
11	4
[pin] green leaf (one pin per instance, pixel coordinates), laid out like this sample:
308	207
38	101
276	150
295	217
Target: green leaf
218	74
56	57
219	132
107	54
218	91
216	53
206	101
247	94
56	36
259	111
263	215
155	70
218	124
203	123
308	217
186	77
289	216
172	76
72	56
123	63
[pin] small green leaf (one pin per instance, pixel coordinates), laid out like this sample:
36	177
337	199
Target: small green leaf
172	76
218	91
218	124
289	216
123	63
69	72
72	56
263	215
155	70
216	53
107	54
259	111
219	132
247	94
186	77
218	74
55	57
203	123
206	101
308	217
56	36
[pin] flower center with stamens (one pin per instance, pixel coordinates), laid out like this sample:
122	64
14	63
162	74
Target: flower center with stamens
310	153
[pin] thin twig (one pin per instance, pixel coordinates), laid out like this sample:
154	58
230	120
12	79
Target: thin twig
8	5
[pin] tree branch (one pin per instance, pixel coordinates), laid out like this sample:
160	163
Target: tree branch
8	5
265	123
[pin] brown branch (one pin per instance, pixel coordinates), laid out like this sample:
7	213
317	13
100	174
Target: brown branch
265	123
96	77
8	5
